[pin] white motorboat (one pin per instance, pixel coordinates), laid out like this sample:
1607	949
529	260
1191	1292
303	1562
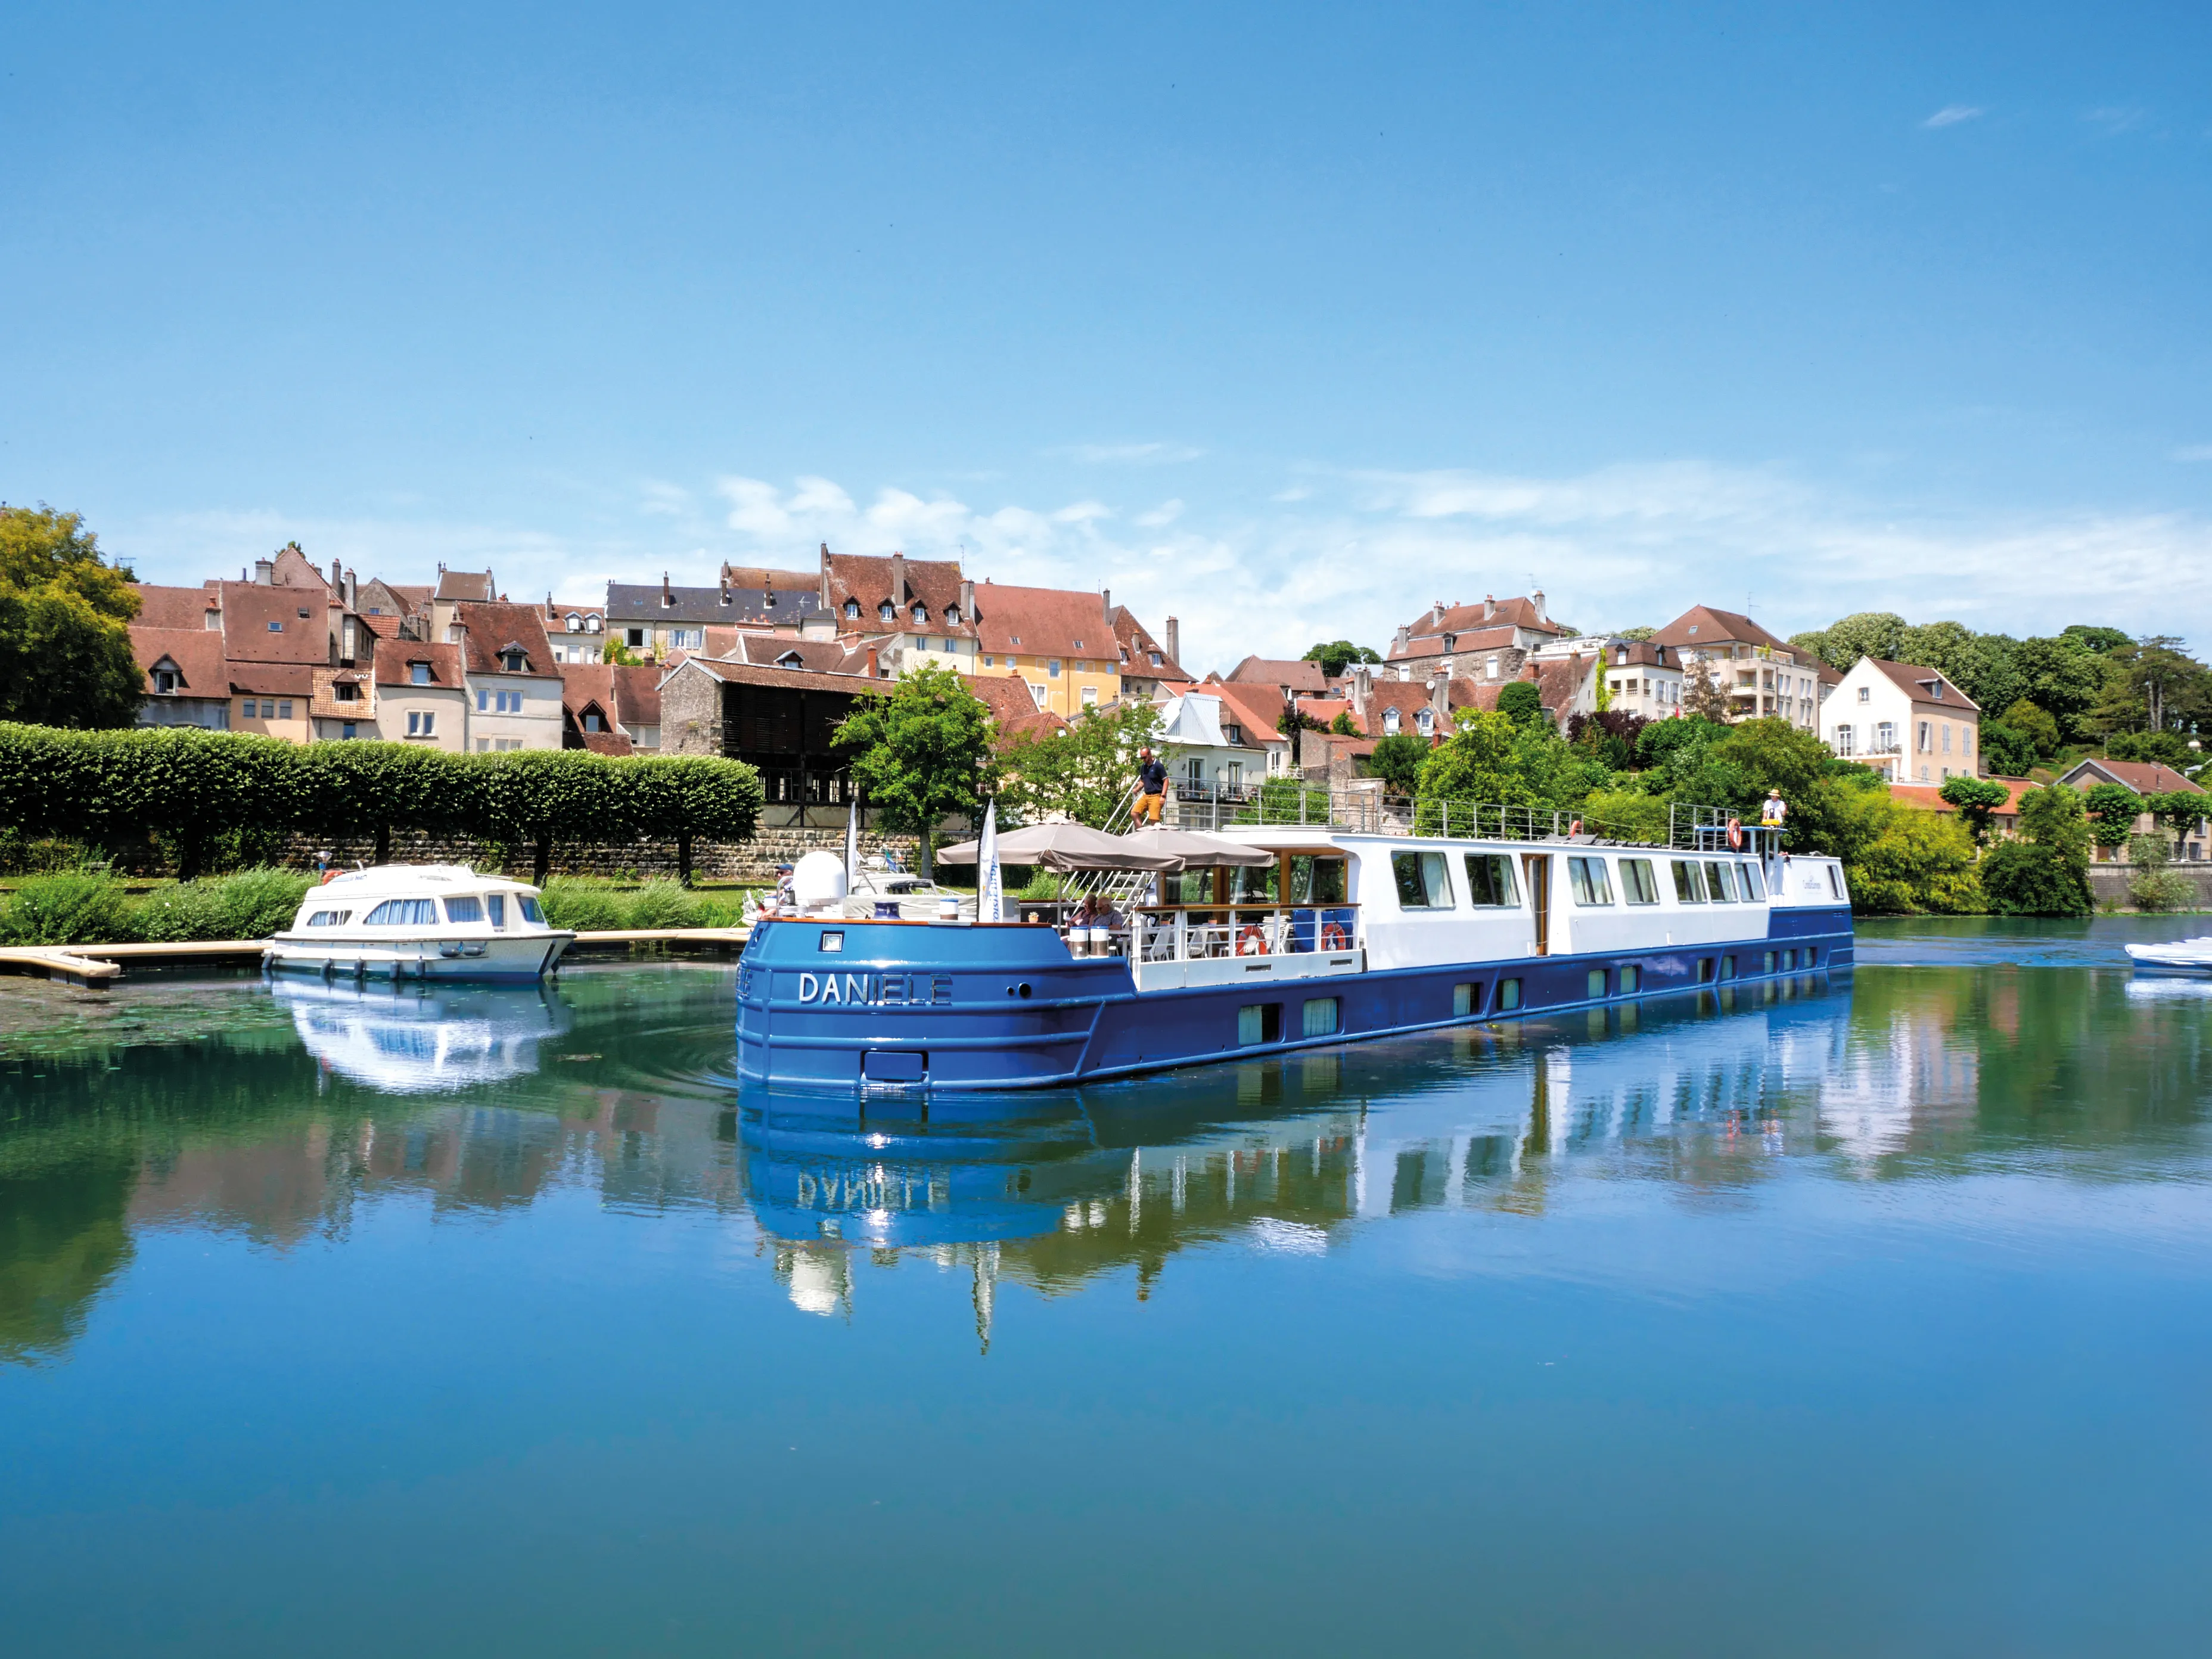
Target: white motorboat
2180	955
419	921
916	898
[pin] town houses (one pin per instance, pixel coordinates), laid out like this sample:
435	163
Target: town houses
762	663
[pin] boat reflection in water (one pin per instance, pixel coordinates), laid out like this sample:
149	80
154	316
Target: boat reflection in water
400	1040
1070	1185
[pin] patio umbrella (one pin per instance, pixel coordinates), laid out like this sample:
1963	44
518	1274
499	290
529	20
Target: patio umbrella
1064	847
1192	851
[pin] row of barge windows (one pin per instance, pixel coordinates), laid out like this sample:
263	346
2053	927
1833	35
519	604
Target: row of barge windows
1261	1022
423	913
1423	881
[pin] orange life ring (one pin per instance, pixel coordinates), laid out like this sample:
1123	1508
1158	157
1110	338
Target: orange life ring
1251	942
329	876
1333	938
1735	832
1575	828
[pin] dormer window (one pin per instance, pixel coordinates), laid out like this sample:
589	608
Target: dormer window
727	598
576	623
591	624
1427	720
164	679
952	615
1234	733
1939	690
852	611
921	616
886	612
346	693
1156	659
514	661
790	659
418	673
1389	722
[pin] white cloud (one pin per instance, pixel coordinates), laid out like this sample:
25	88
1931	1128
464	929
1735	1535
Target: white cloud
1951	114
1166	513
1148	453
2194	452
664	499
2117	119
1083	513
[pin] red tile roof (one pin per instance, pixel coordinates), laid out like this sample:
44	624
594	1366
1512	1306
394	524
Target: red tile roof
935	582
1053	621
395	664
248	610
1138	646
1702	625
1277	672
492	628
2144	777
1012	706
464	584
195	652
1929	797
176	607
1475	638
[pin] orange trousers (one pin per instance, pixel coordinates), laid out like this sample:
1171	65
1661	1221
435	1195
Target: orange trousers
1148	809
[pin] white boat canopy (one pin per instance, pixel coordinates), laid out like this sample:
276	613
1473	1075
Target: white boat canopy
1064	847
1192	851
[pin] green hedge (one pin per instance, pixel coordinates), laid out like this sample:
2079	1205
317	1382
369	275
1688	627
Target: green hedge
113	787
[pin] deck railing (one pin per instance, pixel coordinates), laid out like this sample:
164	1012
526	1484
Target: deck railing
1204	934
1371	812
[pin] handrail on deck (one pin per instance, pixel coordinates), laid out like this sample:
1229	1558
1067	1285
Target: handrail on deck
1370	812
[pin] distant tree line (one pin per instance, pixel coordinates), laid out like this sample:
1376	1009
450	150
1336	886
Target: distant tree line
112	788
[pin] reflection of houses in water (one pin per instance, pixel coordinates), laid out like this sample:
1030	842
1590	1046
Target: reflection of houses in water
1901	1071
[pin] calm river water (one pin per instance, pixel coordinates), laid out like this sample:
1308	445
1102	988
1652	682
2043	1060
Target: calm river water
1873	1317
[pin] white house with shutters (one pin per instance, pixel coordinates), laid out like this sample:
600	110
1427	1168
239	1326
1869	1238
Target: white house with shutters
1909	723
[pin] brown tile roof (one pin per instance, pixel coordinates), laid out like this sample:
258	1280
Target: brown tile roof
1326	709
465	584
1300	677
176	607
1702	625
196	653
1008	698
1442	618
2144	777
492	628
1138	647
848	655
1917	684
291	568
747	575
1929	797
637	693
605	743
935	582
1408	698
278	679
248	610
416	594
799	679
1485	638
383	624
1256	708
395	664
1054	622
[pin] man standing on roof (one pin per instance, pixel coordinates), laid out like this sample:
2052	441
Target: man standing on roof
1151	787
1773	810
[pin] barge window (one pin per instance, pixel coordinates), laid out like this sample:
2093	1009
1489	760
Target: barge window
531	913
1316	880
1638	884
1688	890
1718	886
1466	998
1508	993
1754	885
1632	980
464	909
1258	1023
1489	880
1320	1016
404	913
328	918
1835	881
1766	962
1589	881
1423	881
1255	883
1596	984
1705	970
497	903
1727	966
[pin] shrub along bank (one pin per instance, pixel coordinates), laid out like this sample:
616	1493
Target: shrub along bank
114	789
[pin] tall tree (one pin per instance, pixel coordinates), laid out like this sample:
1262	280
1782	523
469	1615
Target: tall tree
1085	772
1338	655
65	656
1702	694
2045	870
1978	800
921	750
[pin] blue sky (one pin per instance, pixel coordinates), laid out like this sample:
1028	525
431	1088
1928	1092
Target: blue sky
1286	321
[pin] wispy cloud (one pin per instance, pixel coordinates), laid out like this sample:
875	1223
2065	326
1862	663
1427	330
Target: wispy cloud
2194	452
2117	117
1129	454
1166	513
1951	114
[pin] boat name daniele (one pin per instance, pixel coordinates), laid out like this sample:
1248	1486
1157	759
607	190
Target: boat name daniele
876	989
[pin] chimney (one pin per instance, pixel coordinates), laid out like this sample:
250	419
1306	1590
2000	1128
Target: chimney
667	594
968	602
1489	607
898	581
1106	603
352	590
1363	687
1404	638
264	572
334	573
1440	695
873	673
1436	614
1536	599
1175	641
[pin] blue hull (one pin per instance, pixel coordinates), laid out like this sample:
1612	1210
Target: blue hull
915	1007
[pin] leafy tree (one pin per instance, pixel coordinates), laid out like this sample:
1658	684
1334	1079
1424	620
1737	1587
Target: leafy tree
1659	741
539	796
921	749
1293	723
1339	655
65	656
2102	640
2007	752
2113	809
1478	764
685	798
2063	677
1085	772
1398	761
621	656
2153	685
1913	861
1863	633
1342	725
1703	695
2045	870
2152	882
1608	736
1978	800
1521	702
2032	722
1640	632
2167	748
2180	810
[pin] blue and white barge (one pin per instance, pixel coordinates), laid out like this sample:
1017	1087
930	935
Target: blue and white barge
1343	933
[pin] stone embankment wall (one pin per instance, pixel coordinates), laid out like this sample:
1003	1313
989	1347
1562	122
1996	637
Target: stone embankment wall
2109	883
751	861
